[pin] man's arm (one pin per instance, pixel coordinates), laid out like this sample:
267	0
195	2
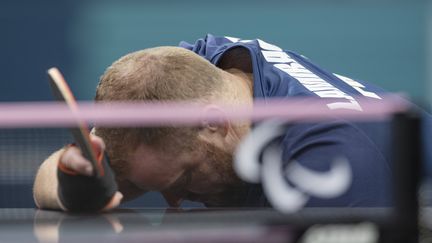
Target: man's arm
46	183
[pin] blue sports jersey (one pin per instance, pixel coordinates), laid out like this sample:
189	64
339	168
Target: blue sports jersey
282	73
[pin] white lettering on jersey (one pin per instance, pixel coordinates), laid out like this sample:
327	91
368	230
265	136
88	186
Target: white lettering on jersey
276	56
232	39
267	46
311	81
358	86
245	41
318	85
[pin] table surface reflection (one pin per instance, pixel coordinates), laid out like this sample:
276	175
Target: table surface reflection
170	225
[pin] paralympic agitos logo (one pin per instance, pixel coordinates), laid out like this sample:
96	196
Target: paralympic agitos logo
259	159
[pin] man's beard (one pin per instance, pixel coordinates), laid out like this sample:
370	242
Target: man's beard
233	190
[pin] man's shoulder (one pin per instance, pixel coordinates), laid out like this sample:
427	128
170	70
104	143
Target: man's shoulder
278	72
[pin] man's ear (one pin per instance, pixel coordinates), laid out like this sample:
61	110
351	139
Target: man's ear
214	131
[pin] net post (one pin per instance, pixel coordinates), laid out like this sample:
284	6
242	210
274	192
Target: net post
407	159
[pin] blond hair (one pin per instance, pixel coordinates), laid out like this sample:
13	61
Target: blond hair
156	74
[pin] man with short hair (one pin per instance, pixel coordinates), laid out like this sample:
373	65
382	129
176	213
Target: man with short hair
195	163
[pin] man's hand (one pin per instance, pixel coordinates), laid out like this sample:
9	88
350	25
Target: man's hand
75	171
74	160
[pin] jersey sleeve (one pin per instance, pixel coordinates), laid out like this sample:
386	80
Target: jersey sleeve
316	146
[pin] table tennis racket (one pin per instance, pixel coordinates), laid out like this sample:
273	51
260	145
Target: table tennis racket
63	93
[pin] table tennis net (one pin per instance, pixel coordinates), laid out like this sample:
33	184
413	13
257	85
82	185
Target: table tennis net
23	147
21	153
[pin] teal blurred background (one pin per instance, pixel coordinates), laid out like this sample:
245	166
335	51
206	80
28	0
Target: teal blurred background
385	42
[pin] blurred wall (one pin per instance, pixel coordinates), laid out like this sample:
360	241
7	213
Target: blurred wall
428	40
380	41
385	42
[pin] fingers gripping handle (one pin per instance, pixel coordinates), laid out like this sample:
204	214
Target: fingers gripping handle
80	193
